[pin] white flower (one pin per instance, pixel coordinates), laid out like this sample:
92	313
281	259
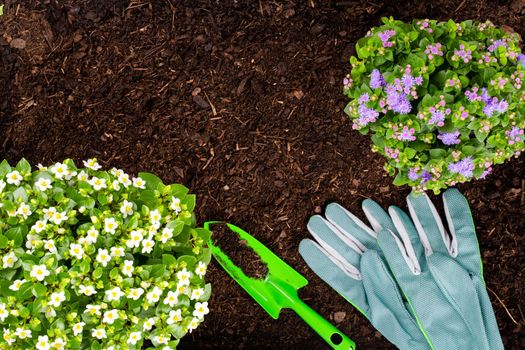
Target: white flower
8	336
167	348
14	178
115	185
58	344
194	323
58	218
128	268
148	325
56	299
154	295
175	205
196	294
171	299
99	333
139	183
116	172
200	270
42	342
94	309
23	333
3	312
49	213
86	290
110	316
2	185
174	316
126	208
39	226
159	339
97	183
50	312
117	252
24	210
184	277
124	180
135	239
50	245
92	235
103	257
201	309
92	164
59	170
39	272
147	245
110	225
9	260
78	328
167	233
134	337
83	176
17	284
69	175
76	250
114	294
32	241
155	216
43	184
182	289
135	293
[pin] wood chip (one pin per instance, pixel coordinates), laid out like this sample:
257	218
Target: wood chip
18	43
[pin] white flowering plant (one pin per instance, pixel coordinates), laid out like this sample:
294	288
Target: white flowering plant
443	101
92	259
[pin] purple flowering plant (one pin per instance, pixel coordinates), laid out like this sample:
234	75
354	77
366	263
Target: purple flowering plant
443	101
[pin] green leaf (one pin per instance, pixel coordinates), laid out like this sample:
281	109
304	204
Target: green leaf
401	180
410	152
85	266
39	290
177	226
15	234
468	150
98	273
3	241
189	201
437	153
5	168
157	270
168	259
153	182
20	195
25	292
1	10
23	166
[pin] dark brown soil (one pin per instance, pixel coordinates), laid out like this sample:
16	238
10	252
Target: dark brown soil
239	252
241	101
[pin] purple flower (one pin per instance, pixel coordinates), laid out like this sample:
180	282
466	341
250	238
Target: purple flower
408	81
418	80
449	138
399	102
406	134
364	98
438	118
384	36
515	135
376	79
485	97
502	106
412	175
366	115
496	44
521	60
464	167
425	177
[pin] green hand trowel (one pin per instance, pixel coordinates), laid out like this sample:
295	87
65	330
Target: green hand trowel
278	289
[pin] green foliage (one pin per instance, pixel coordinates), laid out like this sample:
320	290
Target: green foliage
97	260
443	101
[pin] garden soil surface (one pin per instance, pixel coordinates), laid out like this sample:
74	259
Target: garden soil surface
242	102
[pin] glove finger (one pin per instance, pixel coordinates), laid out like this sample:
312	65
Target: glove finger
336	276
409	236
377	216
337	244
489	319
428	224
388	311
350	225
396	256
465	247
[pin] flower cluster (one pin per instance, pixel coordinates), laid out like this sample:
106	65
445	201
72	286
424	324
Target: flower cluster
444	101
97	260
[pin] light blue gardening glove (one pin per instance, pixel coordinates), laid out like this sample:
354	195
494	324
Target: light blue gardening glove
345	254
441	273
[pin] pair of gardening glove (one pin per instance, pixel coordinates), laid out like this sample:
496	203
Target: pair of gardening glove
419	285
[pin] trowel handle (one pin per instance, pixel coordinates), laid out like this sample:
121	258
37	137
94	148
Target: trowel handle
333	336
